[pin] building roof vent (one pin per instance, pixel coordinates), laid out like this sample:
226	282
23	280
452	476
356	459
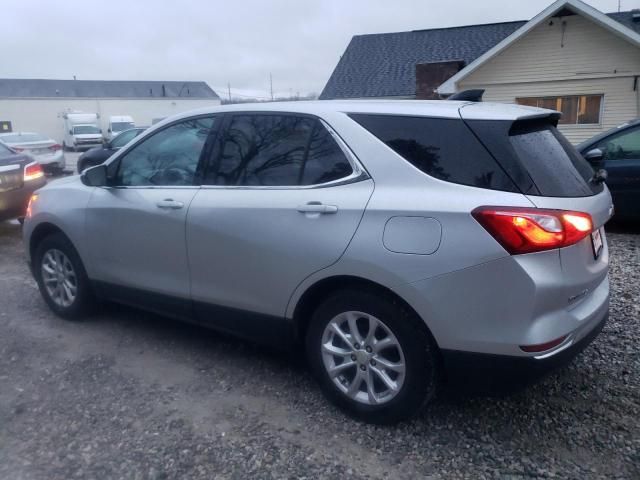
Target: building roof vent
635	14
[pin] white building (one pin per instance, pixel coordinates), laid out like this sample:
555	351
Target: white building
37	105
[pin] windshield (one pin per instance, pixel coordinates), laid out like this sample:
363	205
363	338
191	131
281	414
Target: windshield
124	138
120	126
23	138
84	129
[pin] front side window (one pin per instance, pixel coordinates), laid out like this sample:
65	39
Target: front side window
277	150
622	146
576	109
167	158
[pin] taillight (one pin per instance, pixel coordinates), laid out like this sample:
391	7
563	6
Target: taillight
33	171
55	148
18	149
32	200
528	230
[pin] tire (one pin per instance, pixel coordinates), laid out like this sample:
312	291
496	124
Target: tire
394	324
83	300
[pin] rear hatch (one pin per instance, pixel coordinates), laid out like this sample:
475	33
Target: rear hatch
553	175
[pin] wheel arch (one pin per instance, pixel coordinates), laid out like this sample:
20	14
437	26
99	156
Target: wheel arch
320	290
41	231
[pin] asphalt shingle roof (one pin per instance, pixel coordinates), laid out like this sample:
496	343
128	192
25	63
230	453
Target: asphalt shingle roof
382	65
25	88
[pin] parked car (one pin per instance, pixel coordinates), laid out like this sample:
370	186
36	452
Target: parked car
118	124
45	150
618	152
20	176
98	155
398	242
81	131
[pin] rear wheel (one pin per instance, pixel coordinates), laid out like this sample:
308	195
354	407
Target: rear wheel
372	356
61	277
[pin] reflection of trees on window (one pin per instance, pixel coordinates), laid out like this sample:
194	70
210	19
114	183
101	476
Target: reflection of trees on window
278	150
623	146
169	158
424	157
264	150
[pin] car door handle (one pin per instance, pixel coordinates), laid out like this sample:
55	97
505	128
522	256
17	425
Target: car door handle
170	203
317	208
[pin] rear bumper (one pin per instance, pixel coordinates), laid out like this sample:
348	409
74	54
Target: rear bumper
13	204
480	371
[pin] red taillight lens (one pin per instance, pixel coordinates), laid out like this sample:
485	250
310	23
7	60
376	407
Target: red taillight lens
55	147
33	171
528	230
541	347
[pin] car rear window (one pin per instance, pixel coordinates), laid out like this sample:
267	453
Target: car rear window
555	166
442	148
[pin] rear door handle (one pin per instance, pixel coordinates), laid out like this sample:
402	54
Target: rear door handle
317	208
170	203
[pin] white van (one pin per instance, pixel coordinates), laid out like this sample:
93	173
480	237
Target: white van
81	131
118	124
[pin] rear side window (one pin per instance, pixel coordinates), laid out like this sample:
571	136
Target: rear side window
443	148
279	151
554	165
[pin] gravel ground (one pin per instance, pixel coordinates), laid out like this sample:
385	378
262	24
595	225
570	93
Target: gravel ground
129	395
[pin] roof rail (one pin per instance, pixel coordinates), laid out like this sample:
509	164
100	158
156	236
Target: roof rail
468	95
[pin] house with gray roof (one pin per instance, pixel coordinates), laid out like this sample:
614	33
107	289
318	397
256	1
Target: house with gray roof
37	105
570	57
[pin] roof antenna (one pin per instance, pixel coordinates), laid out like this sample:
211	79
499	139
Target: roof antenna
74	77
619	5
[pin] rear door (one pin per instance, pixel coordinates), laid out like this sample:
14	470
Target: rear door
621	159
281	199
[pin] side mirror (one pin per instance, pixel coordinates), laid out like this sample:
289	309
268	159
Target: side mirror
70	132
108	130
95	176
594	156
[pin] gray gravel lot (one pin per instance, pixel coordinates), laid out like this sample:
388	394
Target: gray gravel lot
130	395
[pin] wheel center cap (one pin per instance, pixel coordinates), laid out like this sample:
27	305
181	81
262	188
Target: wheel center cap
362	356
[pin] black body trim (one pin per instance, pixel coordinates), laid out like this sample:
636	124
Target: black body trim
483	372
269	330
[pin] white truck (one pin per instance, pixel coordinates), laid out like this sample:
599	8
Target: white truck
81	131
118	124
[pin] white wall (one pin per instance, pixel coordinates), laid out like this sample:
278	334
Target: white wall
587	60
43	115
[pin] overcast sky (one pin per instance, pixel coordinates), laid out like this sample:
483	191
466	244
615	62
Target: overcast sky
238	42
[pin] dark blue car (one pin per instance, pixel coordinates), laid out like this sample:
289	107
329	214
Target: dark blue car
618	152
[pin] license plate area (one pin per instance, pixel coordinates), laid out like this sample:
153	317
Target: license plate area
596	243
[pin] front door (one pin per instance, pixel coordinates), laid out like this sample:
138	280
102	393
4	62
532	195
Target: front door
281	200
136	226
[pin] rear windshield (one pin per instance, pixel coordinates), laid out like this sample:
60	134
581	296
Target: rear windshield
5	151
443	148
554	165
23	138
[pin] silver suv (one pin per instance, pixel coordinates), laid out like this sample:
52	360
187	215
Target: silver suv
397	242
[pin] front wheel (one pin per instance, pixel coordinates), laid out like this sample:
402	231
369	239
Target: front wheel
61	277
372	356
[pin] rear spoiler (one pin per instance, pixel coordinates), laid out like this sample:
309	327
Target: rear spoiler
468	95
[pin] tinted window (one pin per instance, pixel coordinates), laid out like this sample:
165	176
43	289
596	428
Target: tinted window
5	151
556	168
325	160
622	146
443	148
277	150
169	157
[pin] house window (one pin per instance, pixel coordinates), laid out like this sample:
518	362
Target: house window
576	109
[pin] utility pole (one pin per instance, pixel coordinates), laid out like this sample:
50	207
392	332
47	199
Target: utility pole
229	90
271	85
